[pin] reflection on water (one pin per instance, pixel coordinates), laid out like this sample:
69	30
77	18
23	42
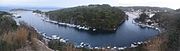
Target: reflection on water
126	34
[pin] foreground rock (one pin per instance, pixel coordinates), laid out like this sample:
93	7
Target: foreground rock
38	46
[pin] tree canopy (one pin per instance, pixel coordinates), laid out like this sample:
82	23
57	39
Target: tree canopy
102	17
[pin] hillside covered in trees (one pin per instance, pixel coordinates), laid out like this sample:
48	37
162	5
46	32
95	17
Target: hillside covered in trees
169	39
145	8
25	38
21	37
99	17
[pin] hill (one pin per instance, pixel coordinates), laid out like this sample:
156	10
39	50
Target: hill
99	17
146	8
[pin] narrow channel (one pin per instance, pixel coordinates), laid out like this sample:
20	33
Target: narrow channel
126	34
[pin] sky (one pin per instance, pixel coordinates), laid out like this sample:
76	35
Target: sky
174	4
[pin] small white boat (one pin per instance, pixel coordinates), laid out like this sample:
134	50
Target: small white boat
121	48
94	29
16	15
62	40
55	37
132	45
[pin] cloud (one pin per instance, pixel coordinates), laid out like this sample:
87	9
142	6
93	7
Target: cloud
15	1
160	3
70	3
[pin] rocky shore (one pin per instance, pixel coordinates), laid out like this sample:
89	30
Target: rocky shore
80	27
83	44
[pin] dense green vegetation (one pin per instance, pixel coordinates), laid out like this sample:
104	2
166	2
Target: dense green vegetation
6	22
142	17
20	9
38	11
170	21
169	39
12	36
100	17
146	8
24	38
103	17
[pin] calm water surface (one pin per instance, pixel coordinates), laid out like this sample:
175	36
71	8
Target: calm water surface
126	34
